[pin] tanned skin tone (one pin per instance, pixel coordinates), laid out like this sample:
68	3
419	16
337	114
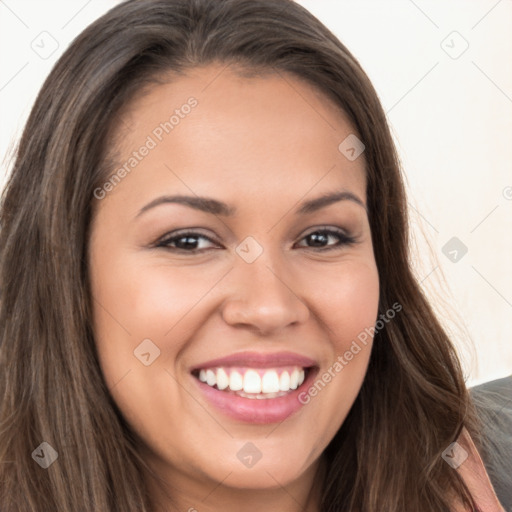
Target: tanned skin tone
264	146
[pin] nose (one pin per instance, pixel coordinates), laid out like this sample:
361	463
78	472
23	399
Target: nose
263	298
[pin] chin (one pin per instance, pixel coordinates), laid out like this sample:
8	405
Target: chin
268	468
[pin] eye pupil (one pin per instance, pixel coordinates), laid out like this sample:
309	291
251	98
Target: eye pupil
318	238
190	242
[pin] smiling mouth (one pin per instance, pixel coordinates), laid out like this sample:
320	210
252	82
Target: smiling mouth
255	383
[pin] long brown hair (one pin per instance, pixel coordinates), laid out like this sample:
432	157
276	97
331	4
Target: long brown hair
386	457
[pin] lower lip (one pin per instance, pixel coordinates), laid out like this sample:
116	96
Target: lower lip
254	410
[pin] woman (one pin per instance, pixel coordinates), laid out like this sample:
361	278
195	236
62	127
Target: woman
188	336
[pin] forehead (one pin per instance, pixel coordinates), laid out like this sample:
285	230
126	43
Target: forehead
260	135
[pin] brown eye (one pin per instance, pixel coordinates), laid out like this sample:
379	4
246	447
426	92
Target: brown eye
321	237
190	241
185	241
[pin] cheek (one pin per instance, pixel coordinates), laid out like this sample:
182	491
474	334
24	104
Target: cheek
148	300
346	307
348	302
158	297
136	301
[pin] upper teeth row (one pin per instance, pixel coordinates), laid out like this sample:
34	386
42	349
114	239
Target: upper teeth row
251	381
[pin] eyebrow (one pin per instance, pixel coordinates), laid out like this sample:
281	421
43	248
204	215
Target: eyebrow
216	207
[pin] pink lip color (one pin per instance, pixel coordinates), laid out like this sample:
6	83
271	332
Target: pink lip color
257	360
252	410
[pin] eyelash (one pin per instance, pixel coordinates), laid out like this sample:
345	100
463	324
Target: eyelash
344	240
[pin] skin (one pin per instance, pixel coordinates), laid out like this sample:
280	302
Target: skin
263	145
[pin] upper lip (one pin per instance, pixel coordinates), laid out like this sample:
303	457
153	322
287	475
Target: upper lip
259	360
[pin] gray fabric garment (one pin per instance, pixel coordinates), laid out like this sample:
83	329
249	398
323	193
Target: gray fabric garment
493	401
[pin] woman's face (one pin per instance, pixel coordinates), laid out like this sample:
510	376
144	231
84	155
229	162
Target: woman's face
247	282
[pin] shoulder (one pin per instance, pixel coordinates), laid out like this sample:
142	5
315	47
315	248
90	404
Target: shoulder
501	386
493	401
474	474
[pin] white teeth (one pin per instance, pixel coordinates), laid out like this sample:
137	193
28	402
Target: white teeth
210	378
294	379
270	382
236	382
284	381
222	379
252	382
